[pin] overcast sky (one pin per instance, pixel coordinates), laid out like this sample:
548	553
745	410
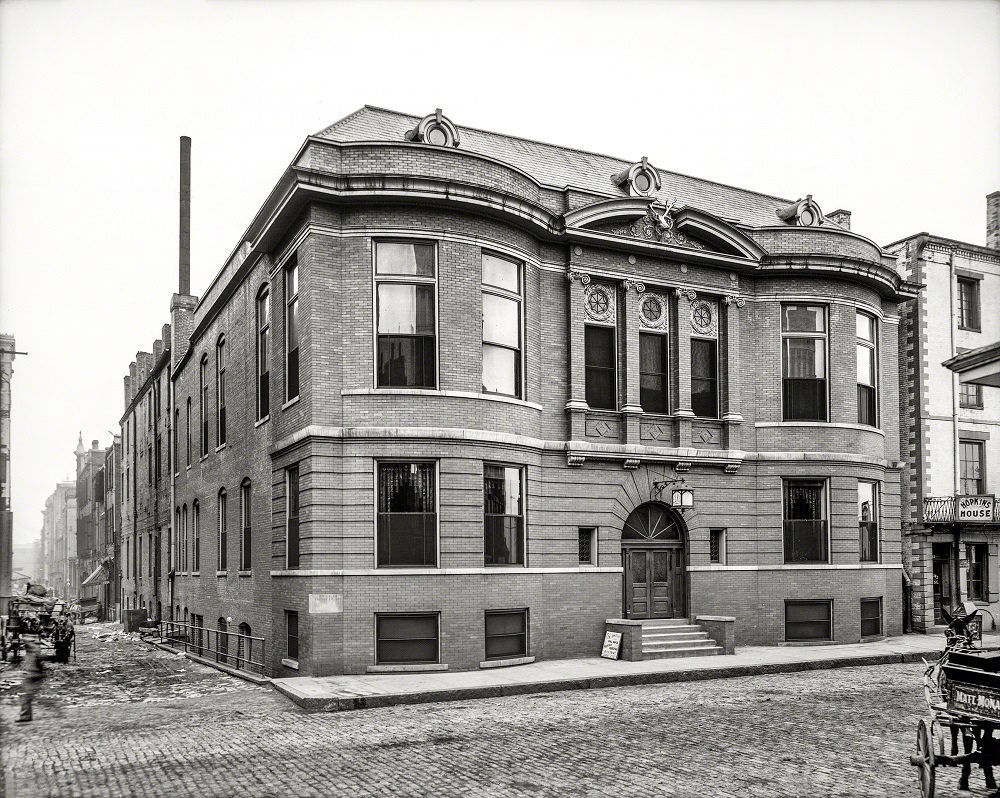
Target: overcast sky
889	109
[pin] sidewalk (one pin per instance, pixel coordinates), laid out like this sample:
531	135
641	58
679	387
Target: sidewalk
334	693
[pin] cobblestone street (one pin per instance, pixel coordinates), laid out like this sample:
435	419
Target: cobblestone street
128	720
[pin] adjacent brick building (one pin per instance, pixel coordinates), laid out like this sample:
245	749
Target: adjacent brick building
458	398
58	568
951	438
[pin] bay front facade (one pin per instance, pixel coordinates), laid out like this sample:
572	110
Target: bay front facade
459	398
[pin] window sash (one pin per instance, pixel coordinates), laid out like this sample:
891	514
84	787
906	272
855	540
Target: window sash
971	467
406	258
970	396
600	367
704	378
968	303
976	574
806	537
653	371
401	639
808	620
292	517
506	634
292	635
223	547
407	514
587	541
245	536
871	617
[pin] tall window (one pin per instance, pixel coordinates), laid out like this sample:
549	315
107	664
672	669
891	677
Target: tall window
203	410
175	539
222	531
407	514
976	588
653	372
292	328
868	521
968	304
501	326
196	534
970	461
805	526
970	396
292	517
185	563
867	369
245	537
600	359
292	635
803	359
188	431
503	507
717	546
220	387
263	353
705	377
405	285
587	540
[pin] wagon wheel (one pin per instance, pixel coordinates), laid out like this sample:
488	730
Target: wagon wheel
937	738
924	760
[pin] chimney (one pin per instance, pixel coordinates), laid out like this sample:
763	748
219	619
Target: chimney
841	217
993	220
184	262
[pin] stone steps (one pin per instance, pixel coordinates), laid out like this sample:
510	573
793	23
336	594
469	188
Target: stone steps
675	637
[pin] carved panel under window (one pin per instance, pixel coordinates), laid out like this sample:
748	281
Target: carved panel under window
659	433
706	436
603	428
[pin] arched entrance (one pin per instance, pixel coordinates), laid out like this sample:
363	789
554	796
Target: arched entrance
654	557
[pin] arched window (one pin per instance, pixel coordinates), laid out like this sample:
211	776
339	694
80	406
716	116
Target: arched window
263	352
220	389
188	431
203	410
222	564
245	523
222	645
196	533
652	522
244	646
291	328
175	548
184	539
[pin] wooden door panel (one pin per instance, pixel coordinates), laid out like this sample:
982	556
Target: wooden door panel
638	584
660	584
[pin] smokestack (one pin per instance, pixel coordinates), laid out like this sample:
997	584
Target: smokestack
184	263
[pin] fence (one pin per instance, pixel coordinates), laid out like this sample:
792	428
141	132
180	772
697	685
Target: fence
944	509
243	652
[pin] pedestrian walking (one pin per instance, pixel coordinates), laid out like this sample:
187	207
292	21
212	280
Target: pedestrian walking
34	673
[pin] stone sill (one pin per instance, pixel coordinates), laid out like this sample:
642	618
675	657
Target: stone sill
800	643
424	668
222	573
290	402
290	663
246	573
220	447
506	663
262	420
872	639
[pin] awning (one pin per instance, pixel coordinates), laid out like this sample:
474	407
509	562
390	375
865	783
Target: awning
99	577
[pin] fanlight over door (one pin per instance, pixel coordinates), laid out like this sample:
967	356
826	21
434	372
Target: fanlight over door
652	522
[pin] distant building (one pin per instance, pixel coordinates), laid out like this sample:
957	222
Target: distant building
951	424
460	398
59	570
7	351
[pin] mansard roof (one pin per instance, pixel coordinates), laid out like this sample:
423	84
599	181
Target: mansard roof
559	167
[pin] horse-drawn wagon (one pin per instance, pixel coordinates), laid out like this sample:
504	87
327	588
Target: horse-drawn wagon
45	621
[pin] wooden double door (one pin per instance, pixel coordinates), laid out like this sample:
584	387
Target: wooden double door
654	581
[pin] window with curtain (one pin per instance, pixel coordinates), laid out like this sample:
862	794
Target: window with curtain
405	307
970	462
503	506
803	359
600	361
866	346
868	521
977	588
407	514
705	377
501	325
805	527
653	373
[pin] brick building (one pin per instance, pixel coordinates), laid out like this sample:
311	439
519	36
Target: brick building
58	569
951	439
458	398
7	354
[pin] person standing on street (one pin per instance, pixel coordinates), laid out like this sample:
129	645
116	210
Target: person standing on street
34	673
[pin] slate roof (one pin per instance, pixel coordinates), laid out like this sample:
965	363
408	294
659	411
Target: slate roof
559	167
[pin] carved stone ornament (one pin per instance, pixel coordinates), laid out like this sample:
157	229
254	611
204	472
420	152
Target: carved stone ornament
731	468
682	467
628	285
687	293
802	212
730	300
575	460
657	225
583	278
436	129
653	312
705	318
631	464
599	303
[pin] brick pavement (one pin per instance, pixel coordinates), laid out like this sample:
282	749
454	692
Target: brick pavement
844	732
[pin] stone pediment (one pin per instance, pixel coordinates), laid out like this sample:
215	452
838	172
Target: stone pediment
664	223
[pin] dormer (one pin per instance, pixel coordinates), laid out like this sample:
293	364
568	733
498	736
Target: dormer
641	179
435	129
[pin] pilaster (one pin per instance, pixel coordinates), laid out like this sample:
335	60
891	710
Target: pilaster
731	416
684	413
576	406
632	409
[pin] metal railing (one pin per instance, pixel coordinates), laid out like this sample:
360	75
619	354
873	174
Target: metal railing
242	652
945	509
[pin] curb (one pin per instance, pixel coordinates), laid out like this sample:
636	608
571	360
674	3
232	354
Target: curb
340	704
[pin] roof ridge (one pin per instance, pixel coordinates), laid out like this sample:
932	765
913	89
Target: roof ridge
579	150
347	118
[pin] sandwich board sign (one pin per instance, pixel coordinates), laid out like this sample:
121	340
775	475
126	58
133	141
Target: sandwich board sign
612	643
